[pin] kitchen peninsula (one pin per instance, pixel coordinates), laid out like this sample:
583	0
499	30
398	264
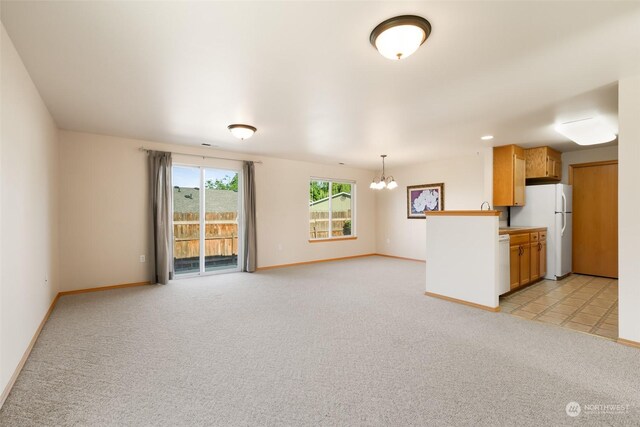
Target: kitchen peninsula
462	257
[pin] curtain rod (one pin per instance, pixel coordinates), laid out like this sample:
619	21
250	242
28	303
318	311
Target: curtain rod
206	157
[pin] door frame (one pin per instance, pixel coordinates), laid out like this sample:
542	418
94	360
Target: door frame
590	164
240	220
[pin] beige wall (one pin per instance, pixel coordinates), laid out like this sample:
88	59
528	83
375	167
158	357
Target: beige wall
629	209
464	189
598	154
104	211
28	211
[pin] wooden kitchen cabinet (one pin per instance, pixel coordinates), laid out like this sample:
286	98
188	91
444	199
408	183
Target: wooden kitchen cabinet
543	164
534	250
509	175
543	254
527	257
520	262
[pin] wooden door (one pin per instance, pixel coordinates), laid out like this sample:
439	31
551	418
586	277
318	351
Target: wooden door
543	258
519	173
525	264
514	266
595	218
534	249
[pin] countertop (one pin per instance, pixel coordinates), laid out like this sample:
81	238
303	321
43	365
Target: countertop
517	230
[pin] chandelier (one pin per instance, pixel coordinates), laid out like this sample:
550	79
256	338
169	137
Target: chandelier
381	182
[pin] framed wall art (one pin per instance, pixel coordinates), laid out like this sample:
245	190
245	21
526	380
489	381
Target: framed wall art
426	197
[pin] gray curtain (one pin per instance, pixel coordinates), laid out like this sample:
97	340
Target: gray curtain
161	201
250	247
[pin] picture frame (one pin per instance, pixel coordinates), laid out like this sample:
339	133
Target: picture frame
424	197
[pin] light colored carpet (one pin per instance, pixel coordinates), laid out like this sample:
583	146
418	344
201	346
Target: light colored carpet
343	343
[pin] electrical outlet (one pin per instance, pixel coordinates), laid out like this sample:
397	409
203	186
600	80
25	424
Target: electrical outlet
279	246
143	258
388	240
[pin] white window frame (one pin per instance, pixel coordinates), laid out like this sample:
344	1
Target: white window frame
354	234
239	220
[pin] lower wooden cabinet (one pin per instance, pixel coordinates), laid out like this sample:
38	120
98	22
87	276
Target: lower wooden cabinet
543	254
534	249
528	258
520	260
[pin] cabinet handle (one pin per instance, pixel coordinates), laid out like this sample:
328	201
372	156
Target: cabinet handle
539	247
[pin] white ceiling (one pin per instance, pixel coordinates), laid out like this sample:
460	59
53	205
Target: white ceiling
306	76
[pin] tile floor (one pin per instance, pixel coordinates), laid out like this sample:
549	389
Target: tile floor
583	303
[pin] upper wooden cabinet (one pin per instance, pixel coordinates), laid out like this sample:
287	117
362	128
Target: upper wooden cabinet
543	164
509	170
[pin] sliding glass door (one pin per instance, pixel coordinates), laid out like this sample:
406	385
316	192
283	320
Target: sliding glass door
206	219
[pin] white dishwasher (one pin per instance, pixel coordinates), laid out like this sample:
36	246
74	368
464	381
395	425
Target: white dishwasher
504	272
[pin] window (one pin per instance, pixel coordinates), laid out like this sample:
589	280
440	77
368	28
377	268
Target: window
331	209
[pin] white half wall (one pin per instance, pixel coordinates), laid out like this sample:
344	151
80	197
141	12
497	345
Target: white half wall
629	209
28	210
464	189
599	154
462	258
105	217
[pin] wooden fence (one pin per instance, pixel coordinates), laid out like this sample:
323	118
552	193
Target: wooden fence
220	238
319	224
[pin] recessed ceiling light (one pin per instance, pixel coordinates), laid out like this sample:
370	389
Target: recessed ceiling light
486	137
399	37
589	131
242	131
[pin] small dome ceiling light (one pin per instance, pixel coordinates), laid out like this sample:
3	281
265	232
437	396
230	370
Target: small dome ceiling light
486	137
242	131
383	181
399	37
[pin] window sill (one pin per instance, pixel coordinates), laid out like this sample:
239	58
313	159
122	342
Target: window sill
332	239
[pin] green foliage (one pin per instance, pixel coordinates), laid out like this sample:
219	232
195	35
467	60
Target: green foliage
346	228
339	187
226	183
319	190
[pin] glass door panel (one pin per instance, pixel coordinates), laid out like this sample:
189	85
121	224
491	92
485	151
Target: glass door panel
221	219
186	219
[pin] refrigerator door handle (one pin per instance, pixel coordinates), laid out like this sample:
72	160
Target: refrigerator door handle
564	213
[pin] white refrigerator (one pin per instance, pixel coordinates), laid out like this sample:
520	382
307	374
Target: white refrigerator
550	206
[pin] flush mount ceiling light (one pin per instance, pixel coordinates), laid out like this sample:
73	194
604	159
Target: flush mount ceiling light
589	131
486	137
242	131
383	181
399	37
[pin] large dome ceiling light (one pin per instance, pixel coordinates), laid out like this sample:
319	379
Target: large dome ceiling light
399	37
242	131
